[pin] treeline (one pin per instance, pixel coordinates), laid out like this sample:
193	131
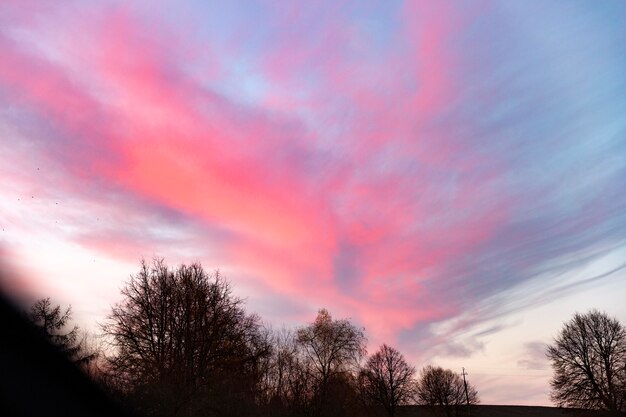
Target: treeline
181	344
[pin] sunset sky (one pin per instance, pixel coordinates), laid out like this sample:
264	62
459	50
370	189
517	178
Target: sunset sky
449	175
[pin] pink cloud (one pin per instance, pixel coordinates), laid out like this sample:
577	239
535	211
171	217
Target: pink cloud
329	219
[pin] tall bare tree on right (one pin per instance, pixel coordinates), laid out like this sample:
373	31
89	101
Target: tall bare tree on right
589	362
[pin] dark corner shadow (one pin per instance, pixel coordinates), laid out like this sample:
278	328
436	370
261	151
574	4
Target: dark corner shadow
36	380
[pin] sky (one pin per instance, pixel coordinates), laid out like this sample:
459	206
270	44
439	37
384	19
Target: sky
449	175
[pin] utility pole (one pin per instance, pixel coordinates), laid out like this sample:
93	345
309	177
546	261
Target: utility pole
466	395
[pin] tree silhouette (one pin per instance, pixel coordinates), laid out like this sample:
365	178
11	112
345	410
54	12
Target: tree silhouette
444	388
589	362
287	386
52	322
387	379
332	350
185	345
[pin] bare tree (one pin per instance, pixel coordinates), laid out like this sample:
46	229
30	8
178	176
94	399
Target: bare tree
287	383
444	388
53	323
589	362
184	344
387	379
330	348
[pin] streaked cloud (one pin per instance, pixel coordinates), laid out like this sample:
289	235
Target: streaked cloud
408	165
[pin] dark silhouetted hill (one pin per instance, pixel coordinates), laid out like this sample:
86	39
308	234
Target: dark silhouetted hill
36	379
